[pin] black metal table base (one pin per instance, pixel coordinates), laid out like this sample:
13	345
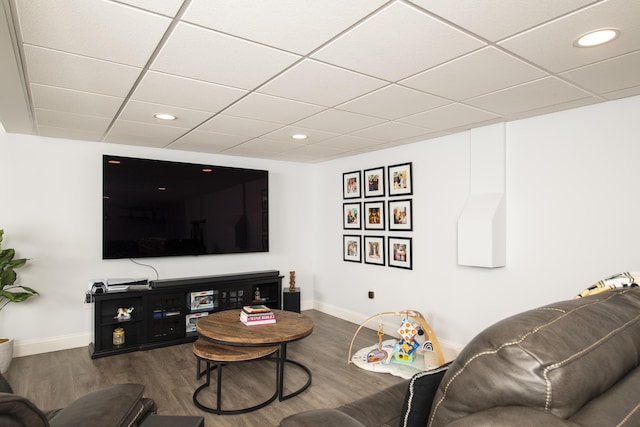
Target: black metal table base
218	409
280	360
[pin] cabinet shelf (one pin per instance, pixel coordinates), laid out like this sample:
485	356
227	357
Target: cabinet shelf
159	316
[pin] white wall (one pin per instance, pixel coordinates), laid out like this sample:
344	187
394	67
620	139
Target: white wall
572	201
51	209
573	197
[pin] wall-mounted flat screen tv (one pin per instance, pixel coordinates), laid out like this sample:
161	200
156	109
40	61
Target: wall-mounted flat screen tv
154	208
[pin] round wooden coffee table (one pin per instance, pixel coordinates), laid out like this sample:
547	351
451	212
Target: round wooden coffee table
225	327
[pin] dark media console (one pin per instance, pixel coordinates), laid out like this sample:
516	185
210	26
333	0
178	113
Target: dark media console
166	314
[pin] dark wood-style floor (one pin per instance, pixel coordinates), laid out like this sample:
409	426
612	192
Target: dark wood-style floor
52	380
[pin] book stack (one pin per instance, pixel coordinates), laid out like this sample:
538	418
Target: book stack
252	315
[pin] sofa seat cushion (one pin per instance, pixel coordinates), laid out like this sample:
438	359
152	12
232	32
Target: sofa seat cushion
380	409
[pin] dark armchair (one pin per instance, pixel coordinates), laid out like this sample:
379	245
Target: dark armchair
112	406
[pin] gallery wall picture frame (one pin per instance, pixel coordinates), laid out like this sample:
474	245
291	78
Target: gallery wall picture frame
400	179
373	182
400	252
374	215
352	216
352	248
400	215
373	249
351	185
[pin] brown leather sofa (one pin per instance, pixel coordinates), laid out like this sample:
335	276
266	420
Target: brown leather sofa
113	406
572	363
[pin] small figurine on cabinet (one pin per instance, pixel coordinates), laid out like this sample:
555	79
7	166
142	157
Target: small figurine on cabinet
124	313
292	281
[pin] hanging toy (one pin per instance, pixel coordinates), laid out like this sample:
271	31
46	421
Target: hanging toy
378	354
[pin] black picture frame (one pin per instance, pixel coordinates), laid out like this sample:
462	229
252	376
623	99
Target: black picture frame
400	215
373	249
374	215
352	220
400	179
400	252
351	185
373	182
352	248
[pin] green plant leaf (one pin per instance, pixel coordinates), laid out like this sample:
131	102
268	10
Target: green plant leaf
16	296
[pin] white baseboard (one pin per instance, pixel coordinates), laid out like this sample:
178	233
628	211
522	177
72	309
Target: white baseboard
28	348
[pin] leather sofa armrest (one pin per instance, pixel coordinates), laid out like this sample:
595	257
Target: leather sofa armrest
114	406
19	411
510	416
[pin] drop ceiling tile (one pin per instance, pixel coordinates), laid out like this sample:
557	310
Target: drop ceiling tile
143	134
239	126
138	111
72	101
52	68
321	84
97	29
272	109
163	7
392	102
182	92
391	131
65	120
262	146
213	140
285	134
206	55
617	94
551	45
608	76
397	42
350	142
547	109
477	73
529	96
332	120
66	133
290	25
449	116
497	19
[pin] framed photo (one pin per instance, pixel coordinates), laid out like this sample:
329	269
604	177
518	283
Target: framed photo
352	248
374	215
374	250
400	179
400	215
374	182
351	213
351	185
400	252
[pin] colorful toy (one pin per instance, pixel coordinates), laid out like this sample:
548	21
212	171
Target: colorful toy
413	323
408	345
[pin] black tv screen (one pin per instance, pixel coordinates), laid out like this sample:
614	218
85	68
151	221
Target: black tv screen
154	208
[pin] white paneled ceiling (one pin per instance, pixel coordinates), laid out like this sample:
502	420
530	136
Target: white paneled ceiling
355	76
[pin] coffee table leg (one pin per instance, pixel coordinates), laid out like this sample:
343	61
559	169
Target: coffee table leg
282	360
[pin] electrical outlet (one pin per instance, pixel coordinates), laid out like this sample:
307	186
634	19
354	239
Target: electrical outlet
371	294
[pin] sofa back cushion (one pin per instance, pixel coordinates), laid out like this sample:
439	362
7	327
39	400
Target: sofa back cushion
555	358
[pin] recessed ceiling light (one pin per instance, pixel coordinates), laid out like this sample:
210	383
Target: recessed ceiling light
164	116
162	188
299	136
207	170
113	162
596	38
